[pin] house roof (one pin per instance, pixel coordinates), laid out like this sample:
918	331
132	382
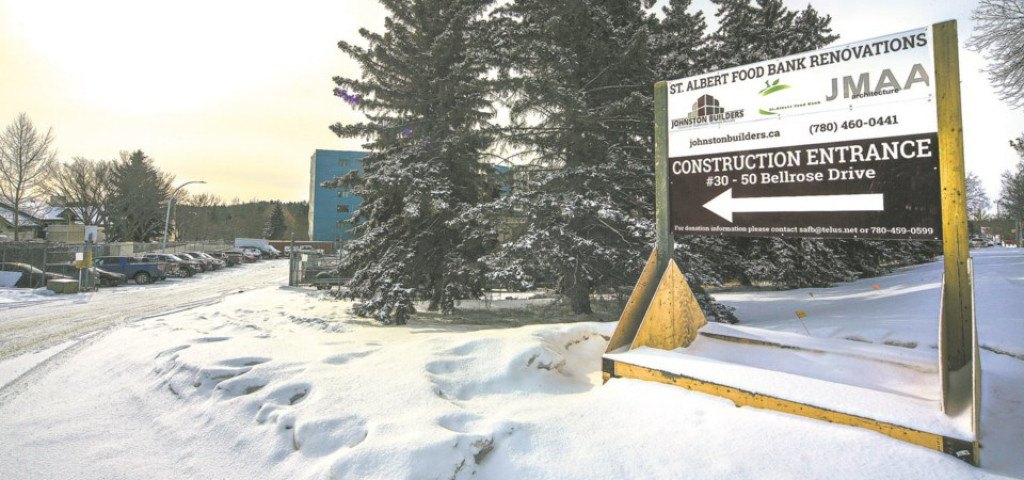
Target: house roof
7	216
38	211
46	213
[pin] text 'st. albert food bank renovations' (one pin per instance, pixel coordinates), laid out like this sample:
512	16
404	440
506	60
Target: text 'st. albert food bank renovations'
840	142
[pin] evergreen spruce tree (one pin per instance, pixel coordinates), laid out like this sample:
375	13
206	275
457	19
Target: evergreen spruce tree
1011	198
275	224
134	204
753	32
811	30
579	81
424	92
733	43
678	43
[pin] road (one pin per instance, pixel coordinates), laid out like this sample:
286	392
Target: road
32	326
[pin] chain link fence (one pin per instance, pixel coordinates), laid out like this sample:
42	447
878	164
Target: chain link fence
40	254
179	247
321	271
57	256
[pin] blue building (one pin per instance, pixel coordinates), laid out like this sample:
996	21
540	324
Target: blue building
330	208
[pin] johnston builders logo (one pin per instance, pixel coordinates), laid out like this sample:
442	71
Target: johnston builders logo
706	110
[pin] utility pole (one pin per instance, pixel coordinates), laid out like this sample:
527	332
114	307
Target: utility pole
170	200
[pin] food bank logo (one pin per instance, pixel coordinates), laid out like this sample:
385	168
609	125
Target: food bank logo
770	88
706	110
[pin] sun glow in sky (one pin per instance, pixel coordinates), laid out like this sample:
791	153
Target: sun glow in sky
238	93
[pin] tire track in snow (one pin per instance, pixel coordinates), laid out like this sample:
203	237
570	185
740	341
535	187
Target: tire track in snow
34	328
58	359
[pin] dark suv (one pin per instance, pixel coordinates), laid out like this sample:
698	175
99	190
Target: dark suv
213	263
186	268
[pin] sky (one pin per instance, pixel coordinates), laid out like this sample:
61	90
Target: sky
238	93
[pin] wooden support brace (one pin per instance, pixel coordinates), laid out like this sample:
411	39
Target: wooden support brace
636	306
673	316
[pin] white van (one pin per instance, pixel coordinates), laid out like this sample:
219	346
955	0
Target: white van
260	244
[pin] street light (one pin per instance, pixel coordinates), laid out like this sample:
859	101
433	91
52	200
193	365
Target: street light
170	200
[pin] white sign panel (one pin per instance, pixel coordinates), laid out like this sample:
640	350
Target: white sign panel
9	279
91	233
838	142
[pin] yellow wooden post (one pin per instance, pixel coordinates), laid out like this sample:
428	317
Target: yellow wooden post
956	326
665	242
643	292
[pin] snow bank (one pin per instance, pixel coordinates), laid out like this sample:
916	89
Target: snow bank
10	297
285	383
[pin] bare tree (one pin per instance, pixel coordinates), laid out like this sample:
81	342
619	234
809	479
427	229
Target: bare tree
84	185
199	215
999	34
25	159
202	200
1011	199
978	202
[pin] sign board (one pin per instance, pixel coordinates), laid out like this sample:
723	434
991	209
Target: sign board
9	279
836	143
91	233
850	141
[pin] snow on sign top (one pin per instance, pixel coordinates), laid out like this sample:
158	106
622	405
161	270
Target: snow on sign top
840	142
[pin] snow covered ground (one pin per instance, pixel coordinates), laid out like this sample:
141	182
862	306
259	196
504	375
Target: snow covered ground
277	382
34	320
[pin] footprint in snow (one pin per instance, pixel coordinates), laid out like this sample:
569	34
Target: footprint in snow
290	394
244	361
210	377
460	422
278	404
343	358
322	437
172	350
239	386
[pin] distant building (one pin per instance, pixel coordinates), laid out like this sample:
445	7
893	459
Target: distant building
28	229
511	224
331	208
75	233
34	218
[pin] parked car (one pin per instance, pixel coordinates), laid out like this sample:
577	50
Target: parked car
227	259
31	277
244	257
204	265
326	280
140	269
186	268
253	251
214	263
105	278
108	278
